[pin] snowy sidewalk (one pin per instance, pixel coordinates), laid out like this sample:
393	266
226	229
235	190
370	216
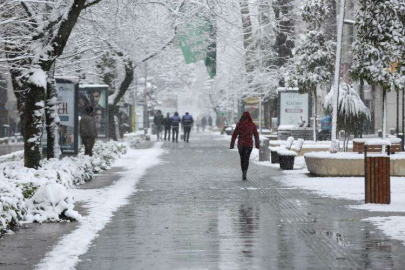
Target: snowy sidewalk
28	246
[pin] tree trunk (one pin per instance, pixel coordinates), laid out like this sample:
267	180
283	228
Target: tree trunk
33	114
112	112
52	126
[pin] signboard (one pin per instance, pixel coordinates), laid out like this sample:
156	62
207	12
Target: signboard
95	96
252	105
67	111
67	91
294	108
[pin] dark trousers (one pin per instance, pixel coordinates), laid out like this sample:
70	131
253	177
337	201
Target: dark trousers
244	153
175	134
159	131
187	131
88	145
167	131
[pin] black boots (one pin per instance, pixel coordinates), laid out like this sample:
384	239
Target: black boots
244	175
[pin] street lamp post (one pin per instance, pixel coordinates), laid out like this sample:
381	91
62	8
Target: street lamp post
337	69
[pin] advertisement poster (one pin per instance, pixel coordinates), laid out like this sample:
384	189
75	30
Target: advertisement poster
294	108
95	96
252	106
67	111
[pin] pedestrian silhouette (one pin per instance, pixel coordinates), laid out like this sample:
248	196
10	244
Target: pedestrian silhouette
244	131
175	122
187	121
168	125
203	123
88	131
159	121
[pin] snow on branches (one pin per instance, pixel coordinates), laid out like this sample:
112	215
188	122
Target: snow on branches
350	103
315	55
379	49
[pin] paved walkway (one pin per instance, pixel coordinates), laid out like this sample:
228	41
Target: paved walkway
195	212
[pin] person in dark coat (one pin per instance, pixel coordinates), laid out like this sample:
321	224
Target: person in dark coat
244	131
159	122
203	123
175	123
187	121
88	131
210	121
168	125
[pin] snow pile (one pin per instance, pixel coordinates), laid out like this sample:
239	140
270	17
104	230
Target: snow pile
45	194
299	144
289	142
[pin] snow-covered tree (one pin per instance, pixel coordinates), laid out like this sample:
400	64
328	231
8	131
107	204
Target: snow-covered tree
31	44
352	112
379	48
315	55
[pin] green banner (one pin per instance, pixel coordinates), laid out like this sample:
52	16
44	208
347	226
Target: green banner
193	40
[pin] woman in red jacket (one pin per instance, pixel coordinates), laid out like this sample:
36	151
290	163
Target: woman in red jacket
245	129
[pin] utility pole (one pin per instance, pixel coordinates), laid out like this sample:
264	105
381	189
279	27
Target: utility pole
145	106
337	69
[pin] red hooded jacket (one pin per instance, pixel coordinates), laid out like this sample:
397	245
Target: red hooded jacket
245	129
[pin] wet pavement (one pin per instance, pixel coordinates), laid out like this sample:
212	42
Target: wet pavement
193	211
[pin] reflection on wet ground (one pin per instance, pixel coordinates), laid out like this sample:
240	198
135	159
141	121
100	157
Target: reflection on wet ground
194	212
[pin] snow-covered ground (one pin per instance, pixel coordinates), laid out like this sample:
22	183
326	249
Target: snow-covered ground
101	204
351	188
45	194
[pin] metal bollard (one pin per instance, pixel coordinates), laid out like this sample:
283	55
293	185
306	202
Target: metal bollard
264	153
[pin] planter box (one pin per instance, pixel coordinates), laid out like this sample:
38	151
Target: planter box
286	162
286	159
274	157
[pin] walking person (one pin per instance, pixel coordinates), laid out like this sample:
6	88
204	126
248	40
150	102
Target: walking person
168	125
159	123
88	131
187	121
210	122
175	123
203	123
244	131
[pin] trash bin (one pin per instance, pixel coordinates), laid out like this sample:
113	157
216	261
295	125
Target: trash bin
264	154
377	174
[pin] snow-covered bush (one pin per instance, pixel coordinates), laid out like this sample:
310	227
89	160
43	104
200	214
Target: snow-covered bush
352	112
39	195
12	205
